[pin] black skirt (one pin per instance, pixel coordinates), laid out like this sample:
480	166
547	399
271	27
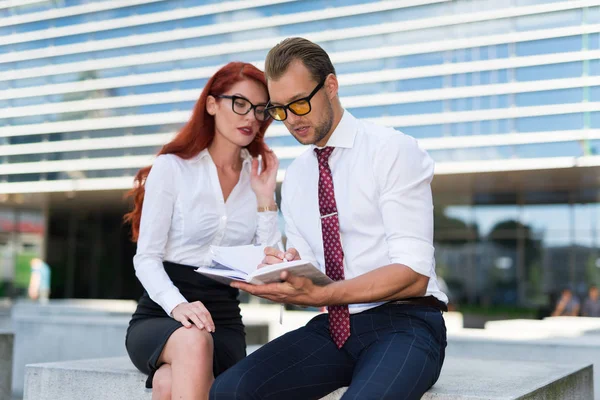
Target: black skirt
150	327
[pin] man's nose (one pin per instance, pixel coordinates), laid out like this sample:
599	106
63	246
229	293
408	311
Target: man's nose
292	118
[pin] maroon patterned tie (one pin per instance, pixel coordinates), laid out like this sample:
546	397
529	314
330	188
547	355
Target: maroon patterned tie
339	317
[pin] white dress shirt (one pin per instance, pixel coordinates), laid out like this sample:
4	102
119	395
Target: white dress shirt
382	189
184	213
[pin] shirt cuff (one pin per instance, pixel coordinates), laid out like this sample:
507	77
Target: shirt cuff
267	228
171	299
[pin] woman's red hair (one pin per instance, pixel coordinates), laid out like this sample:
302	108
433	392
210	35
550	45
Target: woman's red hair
197	134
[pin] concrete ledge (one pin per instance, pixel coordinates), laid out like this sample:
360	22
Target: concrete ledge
563	326
54	337
474	379
106	378
528	346
461	379
464	378
75	307
6	357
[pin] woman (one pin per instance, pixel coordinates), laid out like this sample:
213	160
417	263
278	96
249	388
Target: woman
203	189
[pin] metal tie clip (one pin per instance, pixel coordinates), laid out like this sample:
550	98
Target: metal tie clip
328	215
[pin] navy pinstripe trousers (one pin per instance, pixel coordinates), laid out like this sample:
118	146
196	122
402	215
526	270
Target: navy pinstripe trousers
395	351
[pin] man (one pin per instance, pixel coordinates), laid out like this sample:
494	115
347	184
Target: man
357	204
591	306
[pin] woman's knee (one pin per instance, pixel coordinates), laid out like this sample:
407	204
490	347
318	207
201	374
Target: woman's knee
161	383
191	343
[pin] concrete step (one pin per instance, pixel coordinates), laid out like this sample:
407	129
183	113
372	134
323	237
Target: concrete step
6	357
462	378
539	346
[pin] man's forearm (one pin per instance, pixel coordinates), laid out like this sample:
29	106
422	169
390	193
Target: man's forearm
391	282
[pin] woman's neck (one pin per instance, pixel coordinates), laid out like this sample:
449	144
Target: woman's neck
225	155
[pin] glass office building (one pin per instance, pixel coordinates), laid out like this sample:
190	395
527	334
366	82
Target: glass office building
504	94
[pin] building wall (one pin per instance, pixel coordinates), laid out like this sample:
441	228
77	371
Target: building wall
89	90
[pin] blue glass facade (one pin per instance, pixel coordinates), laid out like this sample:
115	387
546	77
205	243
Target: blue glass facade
487	86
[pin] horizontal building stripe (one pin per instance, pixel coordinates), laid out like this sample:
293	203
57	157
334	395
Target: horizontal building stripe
84	164
348	56
507	139
68	185
268	22
456	44
172	15
391	98
486	115
444	168
522	164
279	130
19	3
287	152
119	142
333	34
70	11
344	79
465	67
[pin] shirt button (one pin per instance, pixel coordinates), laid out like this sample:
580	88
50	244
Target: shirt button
224	218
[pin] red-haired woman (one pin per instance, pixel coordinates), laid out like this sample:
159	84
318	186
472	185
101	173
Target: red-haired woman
203	189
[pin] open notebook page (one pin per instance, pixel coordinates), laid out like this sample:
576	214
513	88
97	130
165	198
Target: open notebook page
241	258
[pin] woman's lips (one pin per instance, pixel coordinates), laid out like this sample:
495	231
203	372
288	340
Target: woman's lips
246	131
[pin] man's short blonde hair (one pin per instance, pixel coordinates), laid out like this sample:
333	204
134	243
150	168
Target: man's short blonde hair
310	54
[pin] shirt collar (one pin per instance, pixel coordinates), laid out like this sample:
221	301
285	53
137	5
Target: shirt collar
344	134
203	154
245	154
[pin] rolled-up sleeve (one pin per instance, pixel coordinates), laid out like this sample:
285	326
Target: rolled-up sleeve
404	172
157	212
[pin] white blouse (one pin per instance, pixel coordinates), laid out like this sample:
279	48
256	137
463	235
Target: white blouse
184	213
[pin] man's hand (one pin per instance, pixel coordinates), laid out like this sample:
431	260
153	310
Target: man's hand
276	256
295	290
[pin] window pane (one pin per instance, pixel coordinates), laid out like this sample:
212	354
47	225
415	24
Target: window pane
548	46
549	20
549	97
549	123
552	71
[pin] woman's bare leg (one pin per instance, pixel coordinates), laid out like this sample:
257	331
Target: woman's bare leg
189	353
161	383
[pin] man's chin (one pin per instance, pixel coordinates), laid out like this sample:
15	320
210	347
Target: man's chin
304	140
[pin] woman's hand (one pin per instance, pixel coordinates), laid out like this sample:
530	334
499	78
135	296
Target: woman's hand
195	312
264	184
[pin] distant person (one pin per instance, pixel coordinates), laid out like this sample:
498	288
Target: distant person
39	282
203	189
591	306
567	305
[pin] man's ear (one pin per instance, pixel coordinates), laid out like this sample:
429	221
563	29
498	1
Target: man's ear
211	105
331	86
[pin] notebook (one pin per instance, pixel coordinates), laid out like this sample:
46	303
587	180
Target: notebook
239	263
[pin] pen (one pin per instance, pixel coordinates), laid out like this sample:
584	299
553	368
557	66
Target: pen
280	247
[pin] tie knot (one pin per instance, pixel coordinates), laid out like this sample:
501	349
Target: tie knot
324	154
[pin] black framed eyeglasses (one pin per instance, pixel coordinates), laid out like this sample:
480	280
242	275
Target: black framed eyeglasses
299	107
242	106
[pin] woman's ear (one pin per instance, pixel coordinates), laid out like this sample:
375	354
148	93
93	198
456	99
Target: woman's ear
211	105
